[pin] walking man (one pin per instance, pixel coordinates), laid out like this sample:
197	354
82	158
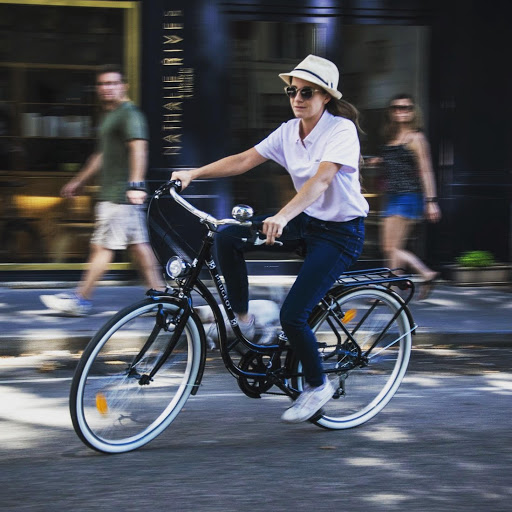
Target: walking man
120	159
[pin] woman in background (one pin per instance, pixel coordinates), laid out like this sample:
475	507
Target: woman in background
409	186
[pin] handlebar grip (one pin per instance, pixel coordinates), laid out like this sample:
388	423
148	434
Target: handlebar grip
176	184
165	188
258	238
256	225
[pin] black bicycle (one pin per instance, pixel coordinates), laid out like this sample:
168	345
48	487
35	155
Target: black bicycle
138	371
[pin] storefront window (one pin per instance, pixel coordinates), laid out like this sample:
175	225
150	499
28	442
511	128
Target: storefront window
49	52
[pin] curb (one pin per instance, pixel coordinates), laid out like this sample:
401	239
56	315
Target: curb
13	346
461	340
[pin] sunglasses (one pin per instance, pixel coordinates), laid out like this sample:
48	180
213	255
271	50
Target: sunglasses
306	93
402	108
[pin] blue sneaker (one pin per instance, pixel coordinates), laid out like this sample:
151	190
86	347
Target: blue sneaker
69	303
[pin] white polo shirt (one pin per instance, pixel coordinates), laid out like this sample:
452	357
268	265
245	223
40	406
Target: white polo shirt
333	139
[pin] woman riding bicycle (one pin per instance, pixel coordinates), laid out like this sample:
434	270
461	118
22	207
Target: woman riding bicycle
320	150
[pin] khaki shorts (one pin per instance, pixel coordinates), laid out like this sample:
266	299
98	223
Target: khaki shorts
119	225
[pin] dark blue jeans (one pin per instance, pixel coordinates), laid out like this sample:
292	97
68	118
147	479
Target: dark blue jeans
331	249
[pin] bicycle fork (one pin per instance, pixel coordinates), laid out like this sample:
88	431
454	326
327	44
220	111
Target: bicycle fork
161	322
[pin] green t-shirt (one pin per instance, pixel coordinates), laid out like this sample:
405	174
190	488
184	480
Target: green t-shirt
118	127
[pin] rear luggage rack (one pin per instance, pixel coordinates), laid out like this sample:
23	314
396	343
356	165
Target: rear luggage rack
375	276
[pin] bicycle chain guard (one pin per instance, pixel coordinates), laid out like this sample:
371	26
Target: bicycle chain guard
251	361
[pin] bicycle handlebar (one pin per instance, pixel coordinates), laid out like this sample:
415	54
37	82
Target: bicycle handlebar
174	187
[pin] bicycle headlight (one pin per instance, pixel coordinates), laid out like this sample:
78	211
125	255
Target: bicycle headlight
177	267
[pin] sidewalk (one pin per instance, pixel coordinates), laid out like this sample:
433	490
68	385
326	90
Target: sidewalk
451	317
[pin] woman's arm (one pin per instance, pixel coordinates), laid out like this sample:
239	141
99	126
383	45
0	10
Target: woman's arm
373	161
229	166
421	149
309	193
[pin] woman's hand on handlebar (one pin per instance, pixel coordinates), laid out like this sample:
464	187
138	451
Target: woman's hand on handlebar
184	176
273	228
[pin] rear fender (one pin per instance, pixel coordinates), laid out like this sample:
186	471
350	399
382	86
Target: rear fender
338	291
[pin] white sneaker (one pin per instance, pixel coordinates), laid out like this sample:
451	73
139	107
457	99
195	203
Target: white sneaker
266	335
248	328
258	334
310	401
69	303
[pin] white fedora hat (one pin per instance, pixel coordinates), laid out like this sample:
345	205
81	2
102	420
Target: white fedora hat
317	70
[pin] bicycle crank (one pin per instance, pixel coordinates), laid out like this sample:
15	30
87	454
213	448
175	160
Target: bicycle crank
255	386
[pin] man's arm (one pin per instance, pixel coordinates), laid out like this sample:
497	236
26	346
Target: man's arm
91	167
137	159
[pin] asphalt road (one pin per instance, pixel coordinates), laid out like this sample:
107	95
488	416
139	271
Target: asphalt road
443	444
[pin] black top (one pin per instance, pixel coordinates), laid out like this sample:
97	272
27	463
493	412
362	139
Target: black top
400	170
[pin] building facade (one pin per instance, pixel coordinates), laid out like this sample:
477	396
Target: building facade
205	74
447	54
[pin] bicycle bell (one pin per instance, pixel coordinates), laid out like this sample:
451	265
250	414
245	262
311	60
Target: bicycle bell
242	212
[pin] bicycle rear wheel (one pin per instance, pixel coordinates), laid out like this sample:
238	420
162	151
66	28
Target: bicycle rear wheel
365	344
115	408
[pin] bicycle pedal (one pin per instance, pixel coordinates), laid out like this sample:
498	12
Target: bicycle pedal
317	416
145	380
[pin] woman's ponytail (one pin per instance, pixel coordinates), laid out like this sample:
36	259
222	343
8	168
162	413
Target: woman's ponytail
342	108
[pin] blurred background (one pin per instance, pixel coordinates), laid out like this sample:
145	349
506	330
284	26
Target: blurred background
205	74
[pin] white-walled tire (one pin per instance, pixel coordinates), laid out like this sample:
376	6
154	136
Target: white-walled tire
364	390
111	410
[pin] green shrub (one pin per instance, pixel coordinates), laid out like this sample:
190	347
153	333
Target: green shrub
476	259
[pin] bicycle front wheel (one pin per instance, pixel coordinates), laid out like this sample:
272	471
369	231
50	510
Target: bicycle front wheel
365	344
115	405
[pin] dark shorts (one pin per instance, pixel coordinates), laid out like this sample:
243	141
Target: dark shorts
409	206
